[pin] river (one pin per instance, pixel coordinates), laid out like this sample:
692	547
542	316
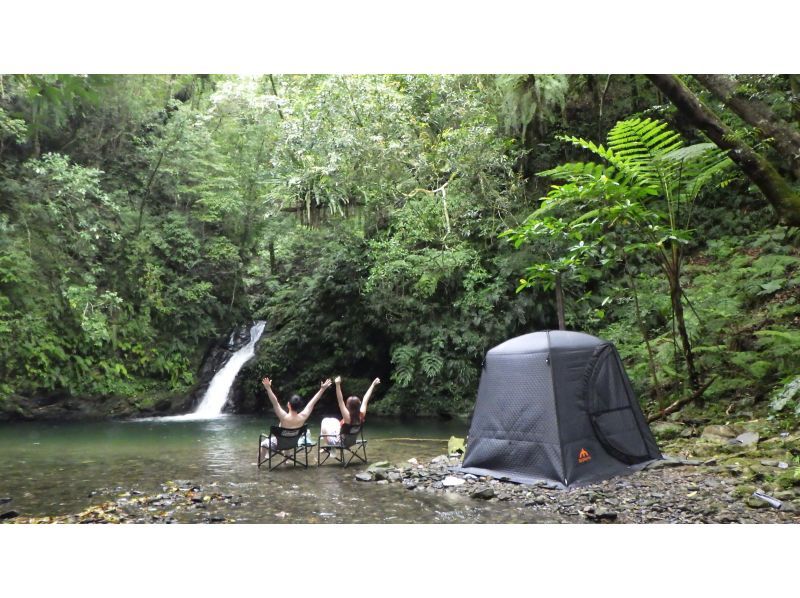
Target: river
59	468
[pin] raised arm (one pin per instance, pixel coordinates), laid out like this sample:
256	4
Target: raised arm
368	395
340	399
276	406
310	407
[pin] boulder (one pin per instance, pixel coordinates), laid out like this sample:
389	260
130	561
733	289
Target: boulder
364	476
746	439
718	433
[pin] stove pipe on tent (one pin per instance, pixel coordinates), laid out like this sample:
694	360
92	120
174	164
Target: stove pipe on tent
556	407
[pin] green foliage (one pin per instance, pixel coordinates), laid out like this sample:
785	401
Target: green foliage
143	216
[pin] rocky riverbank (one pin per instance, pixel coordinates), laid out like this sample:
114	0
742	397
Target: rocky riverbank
670	491
745	472
178	502
734	473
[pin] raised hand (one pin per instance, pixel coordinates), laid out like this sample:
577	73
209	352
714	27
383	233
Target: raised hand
326	384
266	382
376	381
338	379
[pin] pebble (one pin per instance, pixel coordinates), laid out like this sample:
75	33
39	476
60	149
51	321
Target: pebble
451	481
483	492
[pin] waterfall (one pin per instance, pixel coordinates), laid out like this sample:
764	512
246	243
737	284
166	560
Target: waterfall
216	395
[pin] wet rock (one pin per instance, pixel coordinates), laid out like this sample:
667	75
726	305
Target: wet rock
409	484
5	500
394	476
451	481
364	476
8	515
380	474
379	465
484	493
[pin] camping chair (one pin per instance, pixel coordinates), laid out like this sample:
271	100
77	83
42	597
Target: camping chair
351	445
290	444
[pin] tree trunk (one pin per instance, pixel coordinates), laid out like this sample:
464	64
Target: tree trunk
272	263
560	303
146	193
676	296
759	115
634	94
794	85
775	188
600	109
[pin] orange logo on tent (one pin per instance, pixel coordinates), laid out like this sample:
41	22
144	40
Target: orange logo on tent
584	456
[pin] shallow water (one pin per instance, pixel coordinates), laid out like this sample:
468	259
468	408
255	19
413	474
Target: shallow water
61	468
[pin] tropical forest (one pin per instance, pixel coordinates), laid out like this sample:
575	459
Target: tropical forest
393	228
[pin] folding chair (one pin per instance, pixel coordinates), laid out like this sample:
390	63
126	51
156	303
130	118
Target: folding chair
287	445
350	445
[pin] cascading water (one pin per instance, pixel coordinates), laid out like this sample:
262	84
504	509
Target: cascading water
210	406
217	394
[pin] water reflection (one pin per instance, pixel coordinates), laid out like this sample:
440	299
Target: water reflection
53	469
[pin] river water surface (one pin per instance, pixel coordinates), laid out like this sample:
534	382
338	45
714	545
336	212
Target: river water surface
62	468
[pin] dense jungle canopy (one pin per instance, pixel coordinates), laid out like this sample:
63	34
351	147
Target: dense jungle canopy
398	226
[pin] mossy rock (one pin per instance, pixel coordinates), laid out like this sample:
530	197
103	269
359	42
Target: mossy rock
743	490
756	503
789	478
667	430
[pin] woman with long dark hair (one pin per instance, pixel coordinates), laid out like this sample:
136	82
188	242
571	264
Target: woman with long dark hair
294	416
353	411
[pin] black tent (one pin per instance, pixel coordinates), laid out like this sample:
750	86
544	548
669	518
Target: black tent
557	407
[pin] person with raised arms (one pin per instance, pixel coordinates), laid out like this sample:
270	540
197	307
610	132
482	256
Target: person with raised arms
292	417
354	411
